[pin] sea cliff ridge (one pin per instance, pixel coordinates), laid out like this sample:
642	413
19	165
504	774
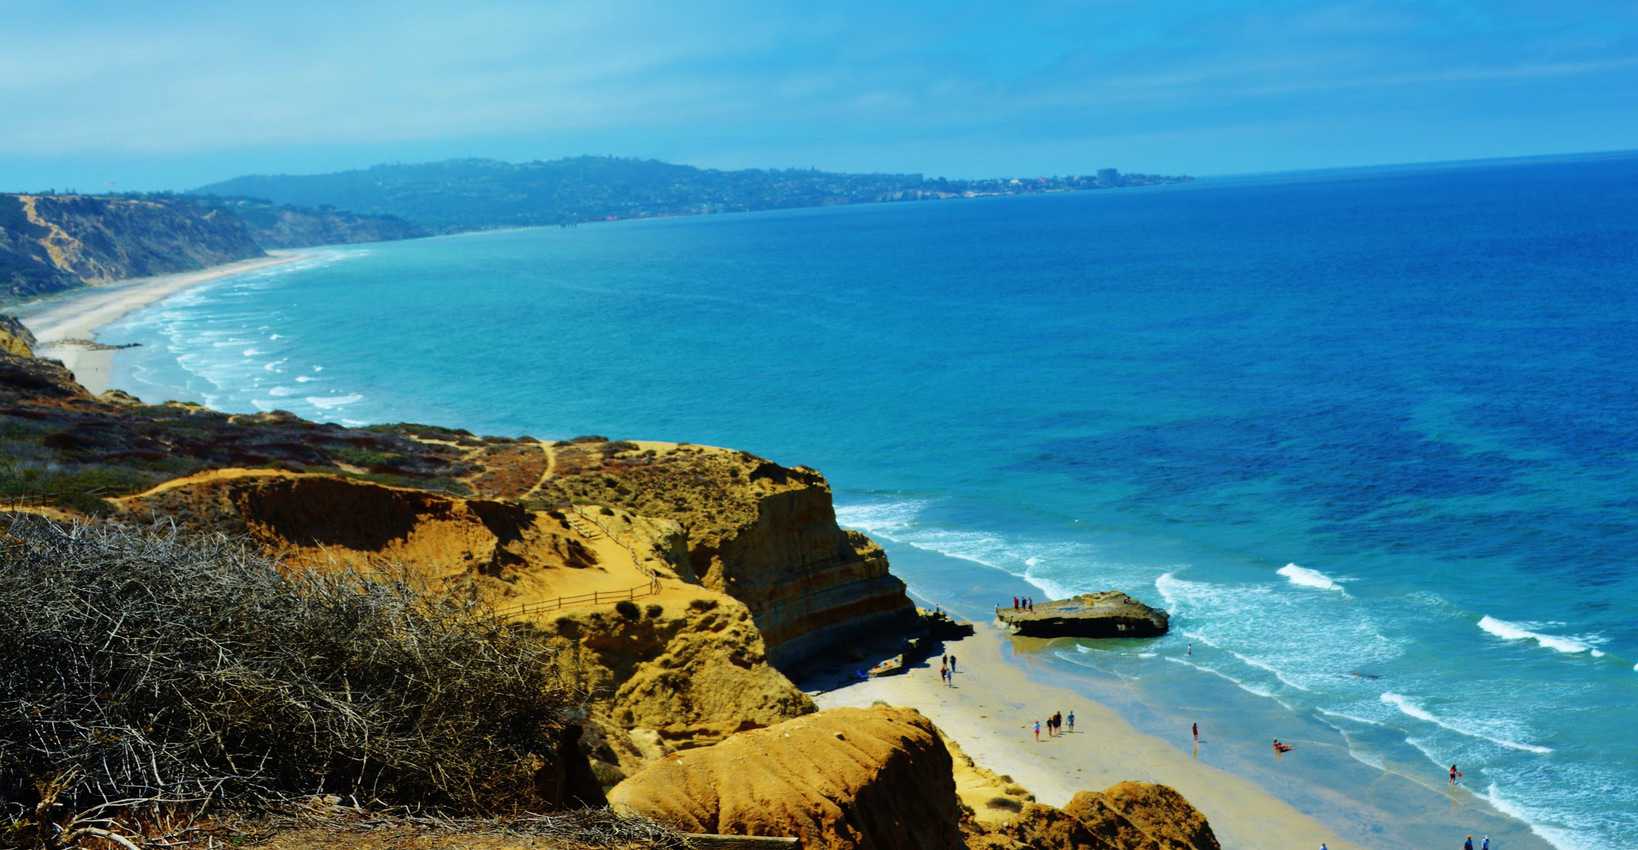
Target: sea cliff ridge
676	581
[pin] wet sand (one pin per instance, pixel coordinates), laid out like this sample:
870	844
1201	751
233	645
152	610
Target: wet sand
991	713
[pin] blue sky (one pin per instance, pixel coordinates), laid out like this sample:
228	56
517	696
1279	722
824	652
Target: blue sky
134	95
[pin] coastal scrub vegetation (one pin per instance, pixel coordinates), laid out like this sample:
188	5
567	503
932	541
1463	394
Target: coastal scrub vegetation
151	676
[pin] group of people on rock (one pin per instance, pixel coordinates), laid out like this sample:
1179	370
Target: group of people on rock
1023	603
1055	724
946	671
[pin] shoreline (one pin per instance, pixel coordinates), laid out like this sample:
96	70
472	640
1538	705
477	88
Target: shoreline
79	314
990	713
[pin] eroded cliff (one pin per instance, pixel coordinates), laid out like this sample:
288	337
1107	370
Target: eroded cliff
52	242
760	532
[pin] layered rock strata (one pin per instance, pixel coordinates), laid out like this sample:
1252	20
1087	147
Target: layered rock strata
762	533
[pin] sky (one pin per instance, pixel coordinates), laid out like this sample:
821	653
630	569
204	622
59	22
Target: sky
133	95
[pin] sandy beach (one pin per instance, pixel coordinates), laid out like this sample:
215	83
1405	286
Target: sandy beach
991	712
78	315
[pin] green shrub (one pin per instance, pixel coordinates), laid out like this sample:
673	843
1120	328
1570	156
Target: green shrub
628	609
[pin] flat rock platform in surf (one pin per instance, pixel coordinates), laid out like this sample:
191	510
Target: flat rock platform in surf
1109	614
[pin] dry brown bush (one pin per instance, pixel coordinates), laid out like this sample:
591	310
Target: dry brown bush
150	672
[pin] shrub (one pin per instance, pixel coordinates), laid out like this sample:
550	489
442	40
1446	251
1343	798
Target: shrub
1007	803
628	609
144	666
654	610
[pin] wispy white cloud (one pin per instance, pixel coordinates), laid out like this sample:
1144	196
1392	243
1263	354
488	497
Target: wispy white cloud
629	76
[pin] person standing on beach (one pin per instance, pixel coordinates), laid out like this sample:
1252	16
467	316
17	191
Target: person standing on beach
1072	720
1195	727
1015	603
952	665
1037	731
1468	844
1485	844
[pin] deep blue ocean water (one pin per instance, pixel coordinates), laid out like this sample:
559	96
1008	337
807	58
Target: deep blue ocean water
1372	437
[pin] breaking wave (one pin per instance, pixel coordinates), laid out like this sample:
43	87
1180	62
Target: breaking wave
1523	631
1304	577
1411	709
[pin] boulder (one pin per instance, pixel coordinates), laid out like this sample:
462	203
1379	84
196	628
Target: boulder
1040	827
843	779
1165	820
1109	614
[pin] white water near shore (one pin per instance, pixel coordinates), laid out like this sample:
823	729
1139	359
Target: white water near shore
79	314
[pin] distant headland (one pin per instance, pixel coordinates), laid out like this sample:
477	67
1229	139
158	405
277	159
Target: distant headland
475	194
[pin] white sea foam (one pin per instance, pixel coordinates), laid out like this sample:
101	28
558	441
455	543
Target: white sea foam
275	365
1304	577
281	392
1559	838
1524	631
1270	669
302	379
334	401
1353	718
1248	687
1042	563
880	518
251	352
1409	708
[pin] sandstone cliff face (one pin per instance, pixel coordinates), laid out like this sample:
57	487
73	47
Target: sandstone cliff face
51	242
689	668
14	338
496	551
760	532
843	779
275	226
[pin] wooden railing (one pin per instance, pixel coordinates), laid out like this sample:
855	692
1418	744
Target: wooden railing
579	522
596	597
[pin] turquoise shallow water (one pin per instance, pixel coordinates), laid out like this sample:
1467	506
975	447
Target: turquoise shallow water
1368	436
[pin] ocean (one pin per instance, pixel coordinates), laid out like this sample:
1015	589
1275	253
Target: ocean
1370	436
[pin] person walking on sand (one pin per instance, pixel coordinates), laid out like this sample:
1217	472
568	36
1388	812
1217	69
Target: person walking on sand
952	665
1037	731
1485	844
1195	727
1072	720
1468	844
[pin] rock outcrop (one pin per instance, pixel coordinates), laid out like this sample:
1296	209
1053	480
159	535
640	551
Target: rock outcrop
14	338
689	668
1123	812
53	242
1109	614
762	533
1040	827
843	779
